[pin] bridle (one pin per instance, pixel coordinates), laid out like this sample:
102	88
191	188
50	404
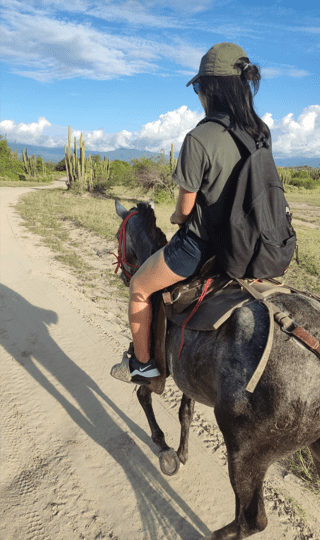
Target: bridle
121	257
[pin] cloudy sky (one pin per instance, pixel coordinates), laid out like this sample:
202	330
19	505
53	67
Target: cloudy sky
116	70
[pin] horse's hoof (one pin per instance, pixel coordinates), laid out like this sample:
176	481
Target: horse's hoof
169	462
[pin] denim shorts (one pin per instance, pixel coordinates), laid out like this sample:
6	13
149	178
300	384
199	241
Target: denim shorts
186	253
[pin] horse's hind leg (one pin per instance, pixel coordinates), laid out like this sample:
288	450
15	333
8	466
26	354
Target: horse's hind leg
315	451
169	461
248	462
185	416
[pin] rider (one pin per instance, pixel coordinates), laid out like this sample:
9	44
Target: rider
206	172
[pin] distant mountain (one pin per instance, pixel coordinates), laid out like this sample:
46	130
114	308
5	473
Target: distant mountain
57	154
124	154
297	162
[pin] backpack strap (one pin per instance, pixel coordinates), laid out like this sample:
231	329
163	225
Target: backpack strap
244	137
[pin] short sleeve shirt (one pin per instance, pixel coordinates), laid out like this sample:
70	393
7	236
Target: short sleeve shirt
209	163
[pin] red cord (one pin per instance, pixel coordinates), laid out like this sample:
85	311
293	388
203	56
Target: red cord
121	259
204	292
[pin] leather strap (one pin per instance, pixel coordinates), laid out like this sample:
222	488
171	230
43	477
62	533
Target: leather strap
304	336
265	356
287	325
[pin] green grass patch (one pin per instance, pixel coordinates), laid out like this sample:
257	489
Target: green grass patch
294	194
23	183
306	275
301	465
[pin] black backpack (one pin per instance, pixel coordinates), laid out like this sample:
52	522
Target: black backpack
258	241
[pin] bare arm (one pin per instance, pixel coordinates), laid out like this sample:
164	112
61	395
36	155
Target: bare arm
185	203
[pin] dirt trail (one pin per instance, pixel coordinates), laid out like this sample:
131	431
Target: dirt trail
76	460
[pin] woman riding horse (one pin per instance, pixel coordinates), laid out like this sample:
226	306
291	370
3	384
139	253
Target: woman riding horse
207	169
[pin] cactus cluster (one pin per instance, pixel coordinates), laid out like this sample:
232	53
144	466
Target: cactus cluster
33	166
86	171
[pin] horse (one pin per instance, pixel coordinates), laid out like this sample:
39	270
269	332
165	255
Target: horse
280	417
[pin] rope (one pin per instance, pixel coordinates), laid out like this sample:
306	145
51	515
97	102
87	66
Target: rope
121	259
205	288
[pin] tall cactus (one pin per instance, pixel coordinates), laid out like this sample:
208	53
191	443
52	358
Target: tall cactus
86	171
173	160
30	164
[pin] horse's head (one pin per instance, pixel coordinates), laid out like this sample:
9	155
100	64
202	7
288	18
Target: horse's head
138	237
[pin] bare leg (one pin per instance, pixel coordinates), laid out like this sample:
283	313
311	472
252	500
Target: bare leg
169	462
153	276
185	416
315	451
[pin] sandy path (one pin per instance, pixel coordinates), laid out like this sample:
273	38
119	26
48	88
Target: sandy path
77	461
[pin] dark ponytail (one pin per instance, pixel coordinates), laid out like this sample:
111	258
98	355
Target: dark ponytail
234	95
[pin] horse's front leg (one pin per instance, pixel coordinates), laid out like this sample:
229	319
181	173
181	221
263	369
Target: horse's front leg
185	416
169	461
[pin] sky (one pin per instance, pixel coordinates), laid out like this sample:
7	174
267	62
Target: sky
116	70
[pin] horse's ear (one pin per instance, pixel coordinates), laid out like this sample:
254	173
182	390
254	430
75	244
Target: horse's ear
121	210
151	203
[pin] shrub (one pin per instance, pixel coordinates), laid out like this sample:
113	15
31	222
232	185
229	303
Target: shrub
302	179
285	176
10	166
121	173
155	175
61	166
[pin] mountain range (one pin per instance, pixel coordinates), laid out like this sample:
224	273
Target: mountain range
57	154
125	154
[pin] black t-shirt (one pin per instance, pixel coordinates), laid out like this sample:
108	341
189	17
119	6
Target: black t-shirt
209	164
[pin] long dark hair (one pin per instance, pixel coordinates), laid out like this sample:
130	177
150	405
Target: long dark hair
234	95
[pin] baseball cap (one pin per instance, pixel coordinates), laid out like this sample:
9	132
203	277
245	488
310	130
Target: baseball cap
220	60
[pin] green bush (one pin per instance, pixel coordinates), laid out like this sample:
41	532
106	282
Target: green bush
10	166
302	179
61	166
121	173
315	175
155	175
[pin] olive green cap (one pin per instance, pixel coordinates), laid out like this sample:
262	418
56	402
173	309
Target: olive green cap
219	61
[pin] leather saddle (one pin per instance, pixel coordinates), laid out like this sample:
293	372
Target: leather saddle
177	302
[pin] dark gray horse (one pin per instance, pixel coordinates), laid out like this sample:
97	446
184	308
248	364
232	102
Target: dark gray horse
283	413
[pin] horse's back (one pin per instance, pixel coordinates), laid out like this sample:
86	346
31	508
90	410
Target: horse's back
215	367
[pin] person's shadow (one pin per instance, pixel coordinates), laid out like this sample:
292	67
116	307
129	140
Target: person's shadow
23	329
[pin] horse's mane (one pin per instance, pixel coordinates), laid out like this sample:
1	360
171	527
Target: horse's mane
146	212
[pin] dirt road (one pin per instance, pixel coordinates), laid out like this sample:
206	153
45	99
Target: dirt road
77	461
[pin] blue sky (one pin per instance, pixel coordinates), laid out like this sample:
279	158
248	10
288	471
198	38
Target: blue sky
116	70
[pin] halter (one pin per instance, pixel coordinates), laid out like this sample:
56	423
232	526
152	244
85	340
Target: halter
121	257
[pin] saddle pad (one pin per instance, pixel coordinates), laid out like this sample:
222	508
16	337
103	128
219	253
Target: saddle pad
217	307
213	311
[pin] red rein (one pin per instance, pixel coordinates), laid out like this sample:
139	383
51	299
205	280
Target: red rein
121	257
121	261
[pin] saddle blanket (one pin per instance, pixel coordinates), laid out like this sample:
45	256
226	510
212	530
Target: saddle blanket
217	307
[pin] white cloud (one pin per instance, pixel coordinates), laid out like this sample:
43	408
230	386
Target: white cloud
287	71
24	133
171	127
295	138
63	39
56	48
291	138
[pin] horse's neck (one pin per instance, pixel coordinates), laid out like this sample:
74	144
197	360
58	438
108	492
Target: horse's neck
145	247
